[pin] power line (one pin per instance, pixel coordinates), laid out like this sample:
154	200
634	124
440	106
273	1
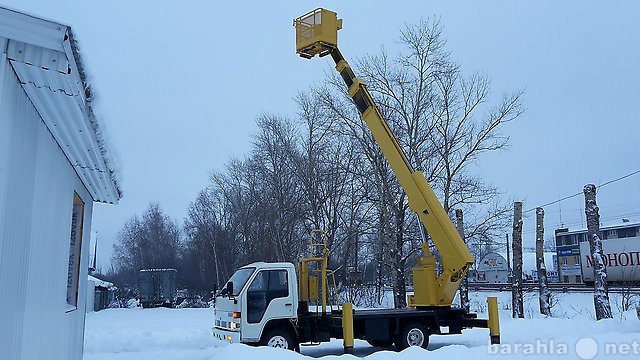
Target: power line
620	178
608	217
580	193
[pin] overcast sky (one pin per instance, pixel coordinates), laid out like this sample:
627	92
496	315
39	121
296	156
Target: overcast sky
180	84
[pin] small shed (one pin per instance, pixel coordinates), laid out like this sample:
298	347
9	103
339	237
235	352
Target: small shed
54	165
100	294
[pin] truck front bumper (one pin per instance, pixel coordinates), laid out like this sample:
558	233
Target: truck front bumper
226	335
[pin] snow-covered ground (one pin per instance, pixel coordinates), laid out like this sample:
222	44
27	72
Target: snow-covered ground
172	334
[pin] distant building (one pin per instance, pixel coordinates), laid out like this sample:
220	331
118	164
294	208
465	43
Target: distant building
100	294
621	245
53	167
530	267
494	269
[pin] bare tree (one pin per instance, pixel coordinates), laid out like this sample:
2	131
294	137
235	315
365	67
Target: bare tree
324	162
324	170
600	289
210	251
628	294
150	241
444	122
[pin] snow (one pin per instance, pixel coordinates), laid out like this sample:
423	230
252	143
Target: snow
154	270
157	333
172	334
102	283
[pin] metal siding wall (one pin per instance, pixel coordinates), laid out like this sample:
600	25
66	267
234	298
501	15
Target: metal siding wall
36	196
4	138
51	216
16	115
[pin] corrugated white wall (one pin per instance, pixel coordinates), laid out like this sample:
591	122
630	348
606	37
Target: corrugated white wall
37	184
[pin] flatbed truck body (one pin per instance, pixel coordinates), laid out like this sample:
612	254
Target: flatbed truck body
384	326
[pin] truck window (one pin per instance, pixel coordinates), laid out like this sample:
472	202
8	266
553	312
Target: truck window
239	278
266	286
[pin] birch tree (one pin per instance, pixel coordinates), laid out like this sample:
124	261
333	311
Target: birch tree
464	285
516	282
600	287
544	295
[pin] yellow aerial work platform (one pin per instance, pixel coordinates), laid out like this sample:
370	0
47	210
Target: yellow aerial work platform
317	33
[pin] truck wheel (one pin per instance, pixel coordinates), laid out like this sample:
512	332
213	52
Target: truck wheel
414	334
380	343
279	338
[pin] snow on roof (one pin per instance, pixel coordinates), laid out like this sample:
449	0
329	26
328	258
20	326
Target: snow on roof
263	264
45	57
101	283
611	226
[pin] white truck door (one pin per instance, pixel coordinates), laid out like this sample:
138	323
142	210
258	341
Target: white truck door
268	297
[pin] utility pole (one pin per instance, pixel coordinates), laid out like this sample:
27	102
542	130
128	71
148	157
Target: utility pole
516	282
544	293
600	287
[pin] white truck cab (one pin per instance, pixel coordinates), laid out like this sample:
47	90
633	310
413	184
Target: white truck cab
258	305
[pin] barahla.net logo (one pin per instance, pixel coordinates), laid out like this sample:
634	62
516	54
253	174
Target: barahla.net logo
585	348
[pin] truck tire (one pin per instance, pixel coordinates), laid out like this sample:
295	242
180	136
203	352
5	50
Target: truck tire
279	338
413	334
380	343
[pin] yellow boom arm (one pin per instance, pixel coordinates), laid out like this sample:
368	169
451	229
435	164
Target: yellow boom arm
316	34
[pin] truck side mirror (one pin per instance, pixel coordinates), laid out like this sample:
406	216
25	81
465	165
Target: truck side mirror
230	288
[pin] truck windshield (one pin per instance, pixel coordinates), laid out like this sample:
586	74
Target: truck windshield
239	278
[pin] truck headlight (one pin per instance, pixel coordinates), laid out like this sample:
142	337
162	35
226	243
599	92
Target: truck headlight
235	325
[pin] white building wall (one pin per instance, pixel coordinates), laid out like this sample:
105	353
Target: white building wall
91	296
37	184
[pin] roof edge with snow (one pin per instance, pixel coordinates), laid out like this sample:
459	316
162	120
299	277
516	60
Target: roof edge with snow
45	57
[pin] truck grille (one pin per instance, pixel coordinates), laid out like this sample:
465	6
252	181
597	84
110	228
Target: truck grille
222	324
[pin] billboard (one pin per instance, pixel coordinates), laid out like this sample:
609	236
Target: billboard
621	257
